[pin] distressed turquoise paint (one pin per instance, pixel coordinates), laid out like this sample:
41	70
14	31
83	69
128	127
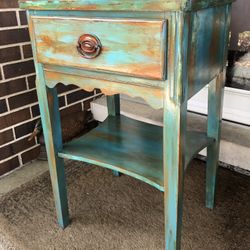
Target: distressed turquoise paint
206	46
138	48
156	84
215	104
174	131
146	152
125	5
113	105
215	92
49	109
119	138
153	96
100	14
50	117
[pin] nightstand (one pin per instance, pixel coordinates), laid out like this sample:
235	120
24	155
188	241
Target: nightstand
163	51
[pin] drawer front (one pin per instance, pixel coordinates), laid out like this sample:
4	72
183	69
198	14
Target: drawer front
130	47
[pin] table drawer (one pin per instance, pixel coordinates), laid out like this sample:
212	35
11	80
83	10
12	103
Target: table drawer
128	47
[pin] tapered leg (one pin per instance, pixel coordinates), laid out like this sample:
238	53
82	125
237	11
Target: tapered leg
215	99
174	130
174	165
113	103
51	124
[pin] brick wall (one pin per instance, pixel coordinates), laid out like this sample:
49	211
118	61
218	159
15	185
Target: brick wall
19	109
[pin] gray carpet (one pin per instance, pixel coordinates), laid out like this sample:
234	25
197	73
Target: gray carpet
123	213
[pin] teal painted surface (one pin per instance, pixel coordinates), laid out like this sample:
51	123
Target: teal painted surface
126	80
207	45
153	96
175	141
215	98
125	5
137	49
48	104
113	104
130	147
215	106
151	154
50	117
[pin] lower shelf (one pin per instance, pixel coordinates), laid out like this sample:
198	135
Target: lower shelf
130	147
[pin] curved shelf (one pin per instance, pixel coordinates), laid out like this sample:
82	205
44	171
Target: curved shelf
130	147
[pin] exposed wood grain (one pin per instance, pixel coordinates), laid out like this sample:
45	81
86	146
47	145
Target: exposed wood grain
138	47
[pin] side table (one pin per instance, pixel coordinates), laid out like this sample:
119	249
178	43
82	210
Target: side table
163	51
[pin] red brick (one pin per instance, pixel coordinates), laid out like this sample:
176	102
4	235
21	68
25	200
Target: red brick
18	69
78	95
3	106
10	54
23	17
9	165
25	129
22	99
13	86
35	110
15	148
14	118
8	4
6	136
69	110
27	51
12	36
8	18
32	82
30	155
61	88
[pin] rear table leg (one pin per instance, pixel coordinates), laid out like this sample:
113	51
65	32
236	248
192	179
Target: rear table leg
113	103
215	99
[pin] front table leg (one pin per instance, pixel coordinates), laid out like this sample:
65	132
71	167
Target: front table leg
174	165
50	116
174	129
113	104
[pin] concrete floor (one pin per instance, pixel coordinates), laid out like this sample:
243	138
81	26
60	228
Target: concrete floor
22	176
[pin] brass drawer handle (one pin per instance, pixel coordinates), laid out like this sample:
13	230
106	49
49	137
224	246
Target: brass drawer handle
89	46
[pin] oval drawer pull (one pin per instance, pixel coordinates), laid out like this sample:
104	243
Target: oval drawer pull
89	46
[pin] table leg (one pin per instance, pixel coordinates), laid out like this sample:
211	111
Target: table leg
215	99
113	104
50	117
174	165
174	129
